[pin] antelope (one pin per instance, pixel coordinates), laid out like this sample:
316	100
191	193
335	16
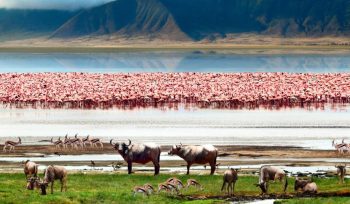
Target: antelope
78	141
87	141
193	182
177	182
271	173
96	141
57	143
341	171
341	147
306	186
12	144
230	177
66	142
51	174
149	188
33	182
140	189
30	169
163	187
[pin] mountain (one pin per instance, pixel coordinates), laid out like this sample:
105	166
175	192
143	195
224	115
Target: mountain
127	18
28	23
186	19
203	18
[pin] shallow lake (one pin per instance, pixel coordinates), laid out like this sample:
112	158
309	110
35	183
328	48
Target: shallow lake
286	127
171	61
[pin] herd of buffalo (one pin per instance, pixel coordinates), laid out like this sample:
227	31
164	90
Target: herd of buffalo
192	154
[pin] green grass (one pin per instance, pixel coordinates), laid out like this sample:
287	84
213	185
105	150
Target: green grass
116	188
330	200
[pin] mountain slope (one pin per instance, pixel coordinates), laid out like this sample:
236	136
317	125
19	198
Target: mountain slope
27	23
202	18
128	18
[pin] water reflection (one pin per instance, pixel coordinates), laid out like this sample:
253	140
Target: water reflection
171	62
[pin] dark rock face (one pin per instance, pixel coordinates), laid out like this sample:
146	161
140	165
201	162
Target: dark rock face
187	19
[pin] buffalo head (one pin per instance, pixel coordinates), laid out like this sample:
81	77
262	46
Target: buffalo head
122	148
175	149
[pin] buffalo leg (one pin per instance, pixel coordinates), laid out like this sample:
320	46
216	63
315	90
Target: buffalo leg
129	167
156	168
188	168
212	169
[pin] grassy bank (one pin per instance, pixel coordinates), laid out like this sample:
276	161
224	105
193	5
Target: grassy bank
116	188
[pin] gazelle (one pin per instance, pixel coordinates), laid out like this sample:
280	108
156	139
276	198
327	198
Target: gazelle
87	141
12	144
340	147
57	143
96	141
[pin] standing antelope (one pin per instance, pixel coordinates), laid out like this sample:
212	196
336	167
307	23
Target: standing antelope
230	177
78	141
96	141
341	171
12	144
57	143
340	147
87	141
30	169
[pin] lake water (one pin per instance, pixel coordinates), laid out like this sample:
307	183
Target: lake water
292	127
172	62
286	127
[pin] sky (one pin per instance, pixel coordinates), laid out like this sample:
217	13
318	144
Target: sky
51	4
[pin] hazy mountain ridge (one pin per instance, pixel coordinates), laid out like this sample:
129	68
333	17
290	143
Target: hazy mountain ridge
186	20
17	23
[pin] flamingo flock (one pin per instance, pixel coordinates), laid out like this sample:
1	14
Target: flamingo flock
220	90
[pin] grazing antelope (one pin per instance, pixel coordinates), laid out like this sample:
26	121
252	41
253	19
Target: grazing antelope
172	188
341	171
163	187
271	173
57	143
51	174
33	182
12	144
149	188
140	189
177	182
230	177
193	182
30	169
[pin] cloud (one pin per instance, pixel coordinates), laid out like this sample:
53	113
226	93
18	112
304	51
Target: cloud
51	4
